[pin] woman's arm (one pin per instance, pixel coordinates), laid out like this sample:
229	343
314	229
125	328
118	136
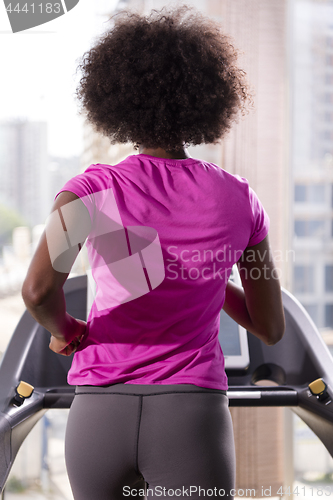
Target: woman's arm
258	305
42	289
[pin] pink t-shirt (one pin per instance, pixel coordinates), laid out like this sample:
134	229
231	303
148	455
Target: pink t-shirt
165	234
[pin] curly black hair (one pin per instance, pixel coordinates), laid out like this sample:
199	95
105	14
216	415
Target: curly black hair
163	80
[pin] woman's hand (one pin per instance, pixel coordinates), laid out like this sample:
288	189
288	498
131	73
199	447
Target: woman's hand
62	346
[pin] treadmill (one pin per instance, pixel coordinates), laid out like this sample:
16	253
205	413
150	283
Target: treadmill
296	372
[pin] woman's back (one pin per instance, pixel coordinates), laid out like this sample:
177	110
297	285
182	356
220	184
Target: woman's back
165	236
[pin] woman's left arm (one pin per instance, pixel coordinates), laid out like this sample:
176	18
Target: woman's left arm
42	289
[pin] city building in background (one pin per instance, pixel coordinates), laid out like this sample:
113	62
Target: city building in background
23	169
311	139
60	170
30	179
312	158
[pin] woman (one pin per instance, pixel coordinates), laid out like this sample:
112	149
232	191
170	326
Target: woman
164	230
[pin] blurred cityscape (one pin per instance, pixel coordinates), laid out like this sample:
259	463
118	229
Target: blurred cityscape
285	149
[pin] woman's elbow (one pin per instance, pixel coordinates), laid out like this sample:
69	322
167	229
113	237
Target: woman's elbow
32	295
275	333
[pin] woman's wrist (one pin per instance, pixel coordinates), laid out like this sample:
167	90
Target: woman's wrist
70	329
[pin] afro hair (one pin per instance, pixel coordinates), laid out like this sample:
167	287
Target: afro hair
162	80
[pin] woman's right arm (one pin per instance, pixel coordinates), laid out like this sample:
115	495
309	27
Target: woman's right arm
257	306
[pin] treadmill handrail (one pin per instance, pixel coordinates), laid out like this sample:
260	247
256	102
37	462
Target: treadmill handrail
316	347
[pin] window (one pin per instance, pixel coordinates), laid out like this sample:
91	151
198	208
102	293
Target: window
325	135
300	193
329	60
327	98
304	279
316	228
313	193
300	228
329	315
329	278
329	78
309	228
317	193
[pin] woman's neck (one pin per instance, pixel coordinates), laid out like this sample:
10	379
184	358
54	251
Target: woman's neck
177	154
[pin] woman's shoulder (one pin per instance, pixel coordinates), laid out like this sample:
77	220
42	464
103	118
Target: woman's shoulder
96	176
100	175
228	181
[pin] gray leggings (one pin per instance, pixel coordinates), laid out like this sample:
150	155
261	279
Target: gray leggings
146	441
